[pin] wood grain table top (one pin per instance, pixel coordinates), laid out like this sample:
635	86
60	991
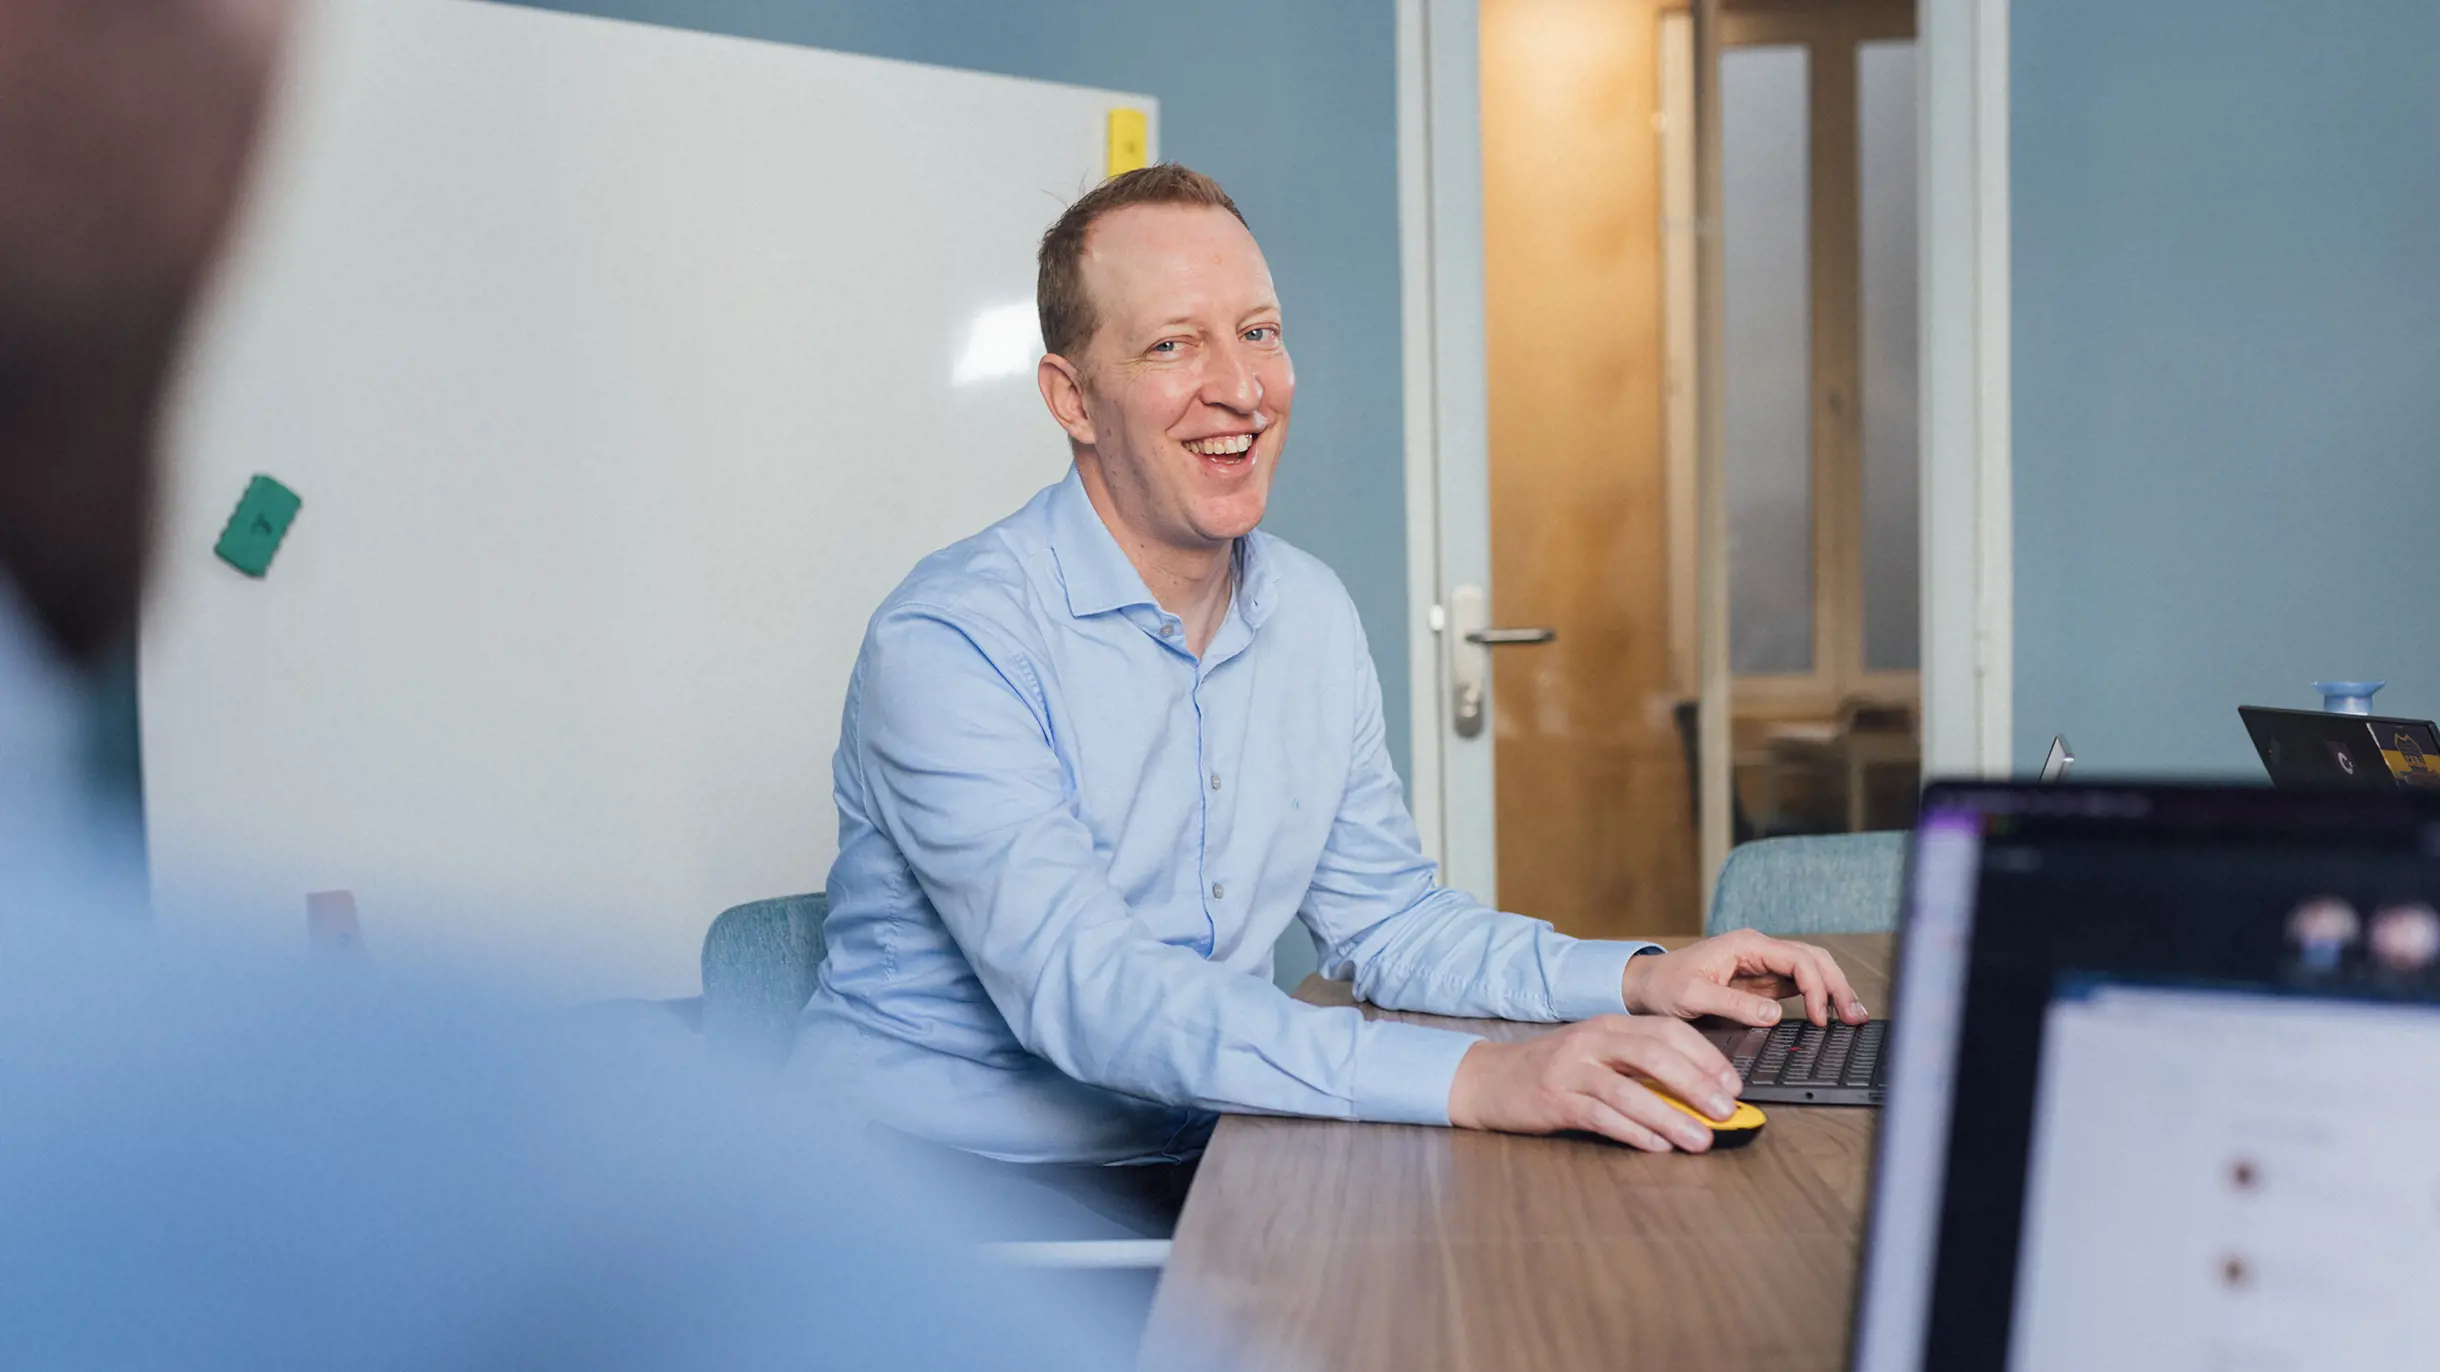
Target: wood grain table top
1326	1244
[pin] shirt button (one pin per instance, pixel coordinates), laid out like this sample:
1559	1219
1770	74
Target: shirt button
1215	781
1219	891
1168	629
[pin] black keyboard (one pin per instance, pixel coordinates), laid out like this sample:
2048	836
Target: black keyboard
1798	1056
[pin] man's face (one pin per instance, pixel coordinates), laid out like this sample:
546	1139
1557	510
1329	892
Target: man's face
1182	394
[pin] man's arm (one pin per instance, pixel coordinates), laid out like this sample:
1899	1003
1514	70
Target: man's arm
1411	945
953	747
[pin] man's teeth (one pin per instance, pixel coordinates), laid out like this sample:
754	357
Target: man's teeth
1221	447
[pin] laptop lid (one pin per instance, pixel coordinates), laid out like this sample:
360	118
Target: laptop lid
2314	749
2059	761
2165	1085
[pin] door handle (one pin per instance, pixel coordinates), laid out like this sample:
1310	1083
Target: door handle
1470	656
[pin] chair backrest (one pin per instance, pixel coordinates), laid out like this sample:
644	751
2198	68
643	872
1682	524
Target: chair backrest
1814	884
1688	715
759	964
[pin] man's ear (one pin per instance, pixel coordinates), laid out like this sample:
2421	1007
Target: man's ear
1063	390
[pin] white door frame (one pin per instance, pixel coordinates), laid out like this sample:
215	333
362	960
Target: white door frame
1968	596
1448	529
1969	593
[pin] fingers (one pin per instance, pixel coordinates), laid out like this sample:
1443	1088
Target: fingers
1805	965
1801	963
1842	991
1603	1076
1639	1108
1826	988
1768	985
1746	1004
1702	1060
1672	1053
1598	1116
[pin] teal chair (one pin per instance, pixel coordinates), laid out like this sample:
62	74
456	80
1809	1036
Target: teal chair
760	961
1815	884
759	964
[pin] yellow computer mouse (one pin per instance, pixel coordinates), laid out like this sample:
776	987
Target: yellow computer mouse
1742	1126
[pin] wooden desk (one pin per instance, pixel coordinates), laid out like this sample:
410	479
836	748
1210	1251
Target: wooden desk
1315	1243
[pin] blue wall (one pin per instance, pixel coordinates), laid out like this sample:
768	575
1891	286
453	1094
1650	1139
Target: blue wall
2227	368
1291	104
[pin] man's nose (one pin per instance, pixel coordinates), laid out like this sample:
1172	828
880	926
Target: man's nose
1232	381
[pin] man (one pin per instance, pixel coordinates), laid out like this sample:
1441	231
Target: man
211	1159
1097	756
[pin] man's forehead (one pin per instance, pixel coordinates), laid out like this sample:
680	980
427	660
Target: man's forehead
1179	253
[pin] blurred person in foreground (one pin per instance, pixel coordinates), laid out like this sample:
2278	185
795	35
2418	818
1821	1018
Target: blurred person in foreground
214	1159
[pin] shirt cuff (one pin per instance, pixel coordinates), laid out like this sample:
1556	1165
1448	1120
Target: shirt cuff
1404	1072
1590	979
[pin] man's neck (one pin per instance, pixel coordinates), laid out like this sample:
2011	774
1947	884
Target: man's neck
1192	583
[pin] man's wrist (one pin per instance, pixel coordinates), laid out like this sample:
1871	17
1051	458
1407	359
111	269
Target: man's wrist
1406	1073
1585	979
1466	1086
1630	978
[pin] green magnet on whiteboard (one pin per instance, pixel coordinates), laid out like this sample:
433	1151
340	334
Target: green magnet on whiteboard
258	524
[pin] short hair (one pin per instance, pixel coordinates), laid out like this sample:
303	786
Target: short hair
1059	294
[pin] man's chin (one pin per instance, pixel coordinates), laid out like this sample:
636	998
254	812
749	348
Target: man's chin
1229	522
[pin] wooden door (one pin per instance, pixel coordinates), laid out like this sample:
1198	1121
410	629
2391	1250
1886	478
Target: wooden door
1588	219
1594	821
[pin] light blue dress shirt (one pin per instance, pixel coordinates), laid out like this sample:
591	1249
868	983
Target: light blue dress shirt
1066	847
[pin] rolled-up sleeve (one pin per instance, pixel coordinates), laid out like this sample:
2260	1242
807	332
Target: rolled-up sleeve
955	756
1409	944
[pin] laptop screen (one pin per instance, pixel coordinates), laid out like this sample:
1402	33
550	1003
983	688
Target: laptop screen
2167	1065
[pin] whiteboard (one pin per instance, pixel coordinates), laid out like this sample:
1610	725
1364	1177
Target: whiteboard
622	372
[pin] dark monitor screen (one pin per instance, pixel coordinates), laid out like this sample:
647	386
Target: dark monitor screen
2172	1092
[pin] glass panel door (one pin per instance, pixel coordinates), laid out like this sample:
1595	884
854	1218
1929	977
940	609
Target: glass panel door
1886	214
1766	333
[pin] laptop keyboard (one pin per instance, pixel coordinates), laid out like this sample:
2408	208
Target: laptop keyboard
1804	1054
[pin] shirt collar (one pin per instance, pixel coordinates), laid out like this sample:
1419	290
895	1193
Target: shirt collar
1098	575
1099	578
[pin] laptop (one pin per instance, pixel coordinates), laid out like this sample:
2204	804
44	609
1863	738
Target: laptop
1798	1063
2314	749
2166	1086
2058	762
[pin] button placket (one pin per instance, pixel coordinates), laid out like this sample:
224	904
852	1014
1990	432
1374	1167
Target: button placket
1203	847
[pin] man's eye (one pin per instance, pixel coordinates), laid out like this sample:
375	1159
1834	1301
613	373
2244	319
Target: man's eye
1262	333
1166	347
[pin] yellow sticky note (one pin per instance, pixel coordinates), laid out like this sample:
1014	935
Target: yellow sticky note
1130	141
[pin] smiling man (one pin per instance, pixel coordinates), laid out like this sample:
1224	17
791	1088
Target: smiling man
1096	757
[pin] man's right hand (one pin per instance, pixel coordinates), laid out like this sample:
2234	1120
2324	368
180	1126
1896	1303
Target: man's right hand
1585	1077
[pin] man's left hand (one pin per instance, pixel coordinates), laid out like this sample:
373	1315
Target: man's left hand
1741	976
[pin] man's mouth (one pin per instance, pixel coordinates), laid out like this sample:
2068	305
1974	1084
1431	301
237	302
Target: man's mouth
1224	447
